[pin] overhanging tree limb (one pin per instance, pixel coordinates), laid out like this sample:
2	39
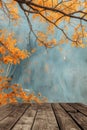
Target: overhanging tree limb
71	15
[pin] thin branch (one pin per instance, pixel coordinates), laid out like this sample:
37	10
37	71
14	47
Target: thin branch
53	9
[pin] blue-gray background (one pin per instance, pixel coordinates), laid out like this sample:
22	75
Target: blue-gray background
61	76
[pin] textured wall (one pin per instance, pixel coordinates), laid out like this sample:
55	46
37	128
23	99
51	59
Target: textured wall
61	76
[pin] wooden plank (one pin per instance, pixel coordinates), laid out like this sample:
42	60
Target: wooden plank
6	110
64	120
45	118
26	121
8	122
3	107
81	104
67	107
80	119
82	109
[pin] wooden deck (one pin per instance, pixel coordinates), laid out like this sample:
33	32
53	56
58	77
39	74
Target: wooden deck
47	116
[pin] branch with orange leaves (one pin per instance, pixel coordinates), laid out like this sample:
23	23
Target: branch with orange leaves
62	14
53	9
54	13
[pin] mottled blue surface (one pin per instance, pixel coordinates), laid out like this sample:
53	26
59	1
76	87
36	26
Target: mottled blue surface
61	76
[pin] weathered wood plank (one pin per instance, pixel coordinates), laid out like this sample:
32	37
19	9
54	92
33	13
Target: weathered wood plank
45	119
68	108
64	120
5	111
72	116
80	119
82	109
82	105
8	122
26	121
77	116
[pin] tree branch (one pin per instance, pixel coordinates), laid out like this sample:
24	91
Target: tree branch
71	15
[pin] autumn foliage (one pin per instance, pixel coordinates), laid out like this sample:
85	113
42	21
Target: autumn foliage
53	13
10	54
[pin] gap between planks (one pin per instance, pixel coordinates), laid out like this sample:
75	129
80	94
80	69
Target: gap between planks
46	116
64	119
8	122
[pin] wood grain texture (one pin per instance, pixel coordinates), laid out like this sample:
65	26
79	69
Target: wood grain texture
68	108
64	120
80	119
8	122
45	119
47	116
26	121
79	107
6	110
